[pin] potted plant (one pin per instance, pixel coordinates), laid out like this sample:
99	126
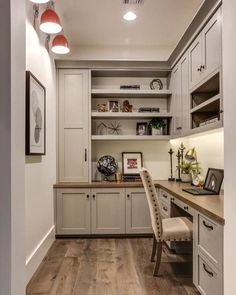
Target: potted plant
187	169
156	125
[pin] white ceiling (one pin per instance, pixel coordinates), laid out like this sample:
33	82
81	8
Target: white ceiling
95	27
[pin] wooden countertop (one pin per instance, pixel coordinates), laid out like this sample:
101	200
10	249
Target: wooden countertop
211	206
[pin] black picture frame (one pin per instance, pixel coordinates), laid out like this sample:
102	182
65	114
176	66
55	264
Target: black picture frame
142	128
113	106
132	162
35	116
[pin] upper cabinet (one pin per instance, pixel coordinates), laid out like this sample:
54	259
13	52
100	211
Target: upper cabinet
73	122
205	53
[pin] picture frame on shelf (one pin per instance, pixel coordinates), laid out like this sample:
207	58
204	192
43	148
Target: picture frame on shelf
113	106
142	128
132	162
35	116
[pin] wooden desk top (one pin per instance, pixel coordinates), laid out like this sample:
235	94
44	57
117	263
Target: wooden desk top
211	206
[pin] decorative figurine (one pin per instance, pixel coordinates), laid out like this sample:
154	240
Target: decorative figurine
102	108
178	167
115	128
127	108
171	165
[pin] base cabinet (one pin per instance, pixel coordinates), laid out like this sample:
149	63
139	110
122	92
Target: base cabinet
108	211
137	212
102	211
73	211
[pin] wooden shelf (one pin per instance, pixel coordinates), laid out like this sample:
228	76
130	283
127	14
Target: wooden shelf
205	104
130	137
137	93
130	115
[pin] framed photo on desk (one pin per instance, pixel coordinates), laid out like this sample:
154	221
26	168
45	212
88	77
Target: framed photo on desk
132	162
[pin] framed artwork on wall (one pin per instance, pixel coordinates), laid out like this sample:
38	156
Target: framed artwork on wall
132	162
35	116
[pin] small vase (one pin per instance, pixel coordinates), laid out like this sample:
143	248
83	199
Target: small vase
186	177
157	131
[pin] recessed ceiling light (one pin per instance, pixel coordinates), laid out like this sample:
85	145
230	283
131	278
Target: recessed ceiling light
129	16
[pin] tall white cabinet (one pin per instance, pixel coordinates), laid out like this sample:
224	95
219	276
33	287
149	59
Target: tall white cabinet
73	125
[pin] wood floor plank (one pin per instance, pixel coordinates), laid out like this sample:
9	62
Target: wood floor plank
109	267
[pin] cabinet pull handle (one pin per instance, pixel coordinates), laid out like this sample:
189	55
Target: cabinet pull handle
179	128
207	271
165	196
199	69
172	199
165	209
186	208
202	68
207	225
85	155
221	111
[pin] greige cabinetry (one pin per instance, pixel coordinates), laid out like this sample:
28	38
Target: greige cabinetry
180	103
208	255
205	54
102	211
73	125
137	212
73	211
108	211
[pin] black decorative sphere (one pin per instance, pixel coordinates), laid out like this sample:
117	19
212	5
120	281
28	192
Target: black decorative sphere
107	165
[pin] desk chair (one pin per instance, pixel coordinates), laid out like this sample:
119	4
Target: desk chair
168	229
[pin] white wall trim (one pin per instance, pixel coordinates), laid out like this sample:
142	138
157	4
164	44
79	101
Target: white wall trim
35	258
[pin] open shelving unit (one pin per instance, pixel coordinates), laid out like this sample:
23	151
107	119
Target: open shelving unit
105	87
206	104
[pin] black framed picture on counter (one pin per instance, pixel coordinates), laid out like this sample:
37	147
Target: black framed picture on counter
132	162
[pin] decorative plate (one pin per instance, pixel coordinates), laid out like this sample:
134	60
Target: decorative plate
107	165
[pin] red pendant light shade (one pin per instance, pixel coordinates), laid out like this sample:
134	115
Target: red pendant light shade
50	22
60	45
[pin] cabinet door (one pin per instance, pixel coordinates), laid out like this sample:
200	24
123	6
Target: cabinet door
73	125
212	45
176	102
184	68
108	211
73	211
137	212
195	62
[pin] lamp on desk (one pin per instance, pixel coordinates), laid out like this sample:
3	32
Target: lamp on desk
191	156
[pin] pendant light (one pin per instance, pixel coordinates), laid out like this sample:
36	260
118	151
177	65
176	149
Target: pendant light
50	22
60	45
39	1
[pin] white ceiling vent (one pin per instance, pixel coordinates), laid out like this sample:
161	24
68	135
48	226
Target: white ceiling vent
133	1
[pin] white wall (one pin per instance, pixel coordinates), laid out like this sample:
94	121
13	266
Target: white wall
155	155
229	88
12	147
40	172
209	147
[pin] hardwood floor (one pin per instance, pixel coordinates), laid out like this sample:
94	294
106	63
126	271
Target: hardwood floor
109	267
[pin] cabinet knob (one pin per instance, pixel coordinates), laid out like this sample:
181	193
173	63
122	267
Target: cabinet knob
202	67
93	196
172	199
87	196
128	196
199	69
186	208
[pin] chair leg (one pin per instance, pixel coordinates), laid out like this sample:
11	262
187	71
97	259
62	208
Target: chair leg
154	249
158	261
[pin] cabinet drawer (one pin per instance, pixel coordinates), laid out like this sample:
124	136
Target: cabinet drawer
164	196
182	205
165	209
209	280
210	239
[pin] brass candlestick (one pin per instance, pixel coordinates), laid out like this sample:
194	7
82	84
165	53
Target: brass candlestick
171	165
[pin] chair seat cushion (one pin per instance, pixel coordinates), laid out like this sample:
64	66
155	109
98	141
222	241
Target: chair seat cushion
177	229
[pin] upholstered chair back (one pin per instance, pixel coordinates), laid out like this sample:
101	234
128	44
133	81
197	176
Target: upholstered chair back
153	203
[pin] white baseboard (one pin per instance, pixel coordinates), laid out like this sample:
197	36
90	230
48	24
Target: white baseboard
35	258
